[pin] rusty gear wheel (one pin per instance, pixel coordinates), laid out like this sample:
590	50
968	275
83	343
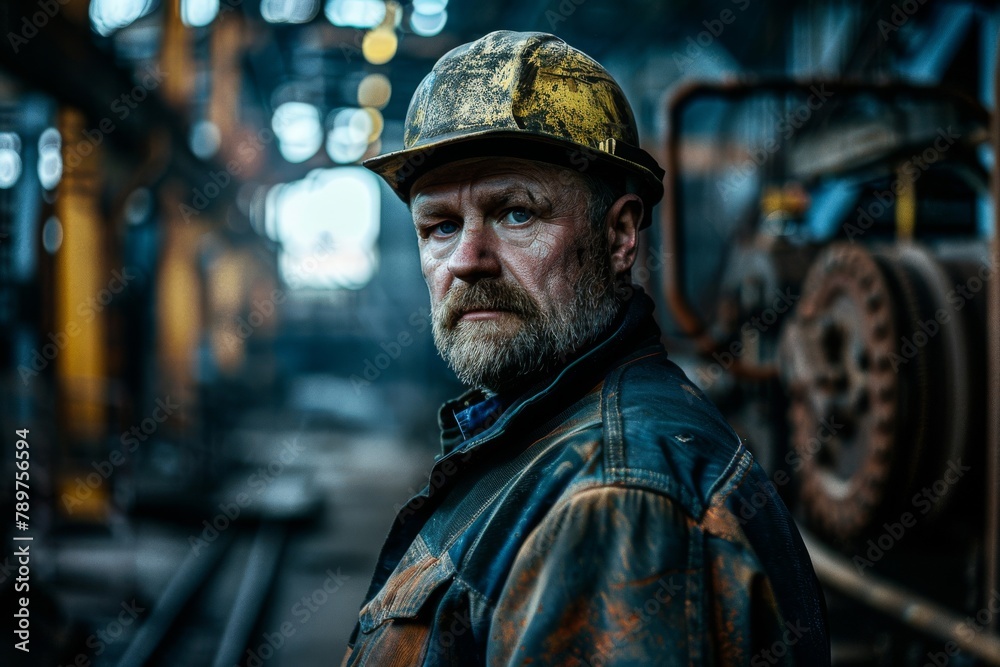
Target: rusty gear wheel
864	364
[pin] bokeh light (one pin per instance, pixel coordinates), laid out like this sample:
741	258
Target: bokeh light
349	135
374	91
298	129
355	13
328	226
205	139
10	159
107	16
52	235
50	158
379	45
199	13
428	25
289	11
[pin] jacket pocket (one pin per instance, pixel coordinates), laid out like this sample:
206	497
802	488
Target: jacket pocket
407	591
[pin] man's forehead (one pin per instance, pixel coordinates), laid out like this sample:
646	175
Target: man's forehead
488	174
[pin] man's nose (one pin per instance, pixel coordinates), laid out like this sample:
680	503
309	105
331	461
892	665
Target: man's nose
475	256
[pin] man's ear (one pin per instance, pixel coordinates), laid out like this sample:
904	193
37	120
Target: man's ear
622	223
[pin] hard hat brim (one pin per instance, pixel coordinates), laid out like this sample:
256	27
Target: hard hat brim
401	169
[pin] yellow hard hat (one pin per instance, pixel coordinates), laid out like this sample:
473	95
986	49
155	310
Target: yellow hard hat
528	95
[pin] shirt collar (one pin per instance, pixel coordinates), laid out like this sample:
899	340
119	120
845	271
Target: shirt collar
478	417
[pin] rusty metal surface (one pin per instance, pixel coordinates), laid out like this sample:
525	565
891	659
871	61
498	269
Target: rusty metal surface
879	365
837	359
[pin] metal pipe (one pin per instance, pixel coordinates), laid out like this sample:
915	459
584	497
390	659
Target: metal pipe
262	565
185	583
673	234
915	611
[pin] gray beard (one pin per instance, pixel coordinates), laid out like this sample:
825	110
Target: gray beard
526	342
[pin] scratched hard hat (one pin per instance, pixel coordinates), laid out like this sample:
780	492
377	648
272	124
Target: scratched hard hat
522	94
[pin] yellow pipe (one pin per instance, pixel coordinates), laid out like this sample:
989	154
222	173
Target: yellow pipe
175	58
81	282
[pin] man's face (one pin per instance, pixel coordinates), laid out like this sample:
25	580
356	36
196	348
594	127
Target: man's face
518	276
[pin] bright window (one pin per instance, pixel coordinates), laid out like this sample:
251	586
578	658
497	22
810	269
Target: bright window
328	226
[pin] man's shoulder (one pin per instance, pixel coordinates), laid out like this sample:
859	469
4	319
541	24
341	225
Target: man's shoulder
662	431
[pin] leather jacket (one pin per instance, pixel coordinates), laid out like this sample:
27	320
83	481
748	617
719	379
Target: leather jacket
602	519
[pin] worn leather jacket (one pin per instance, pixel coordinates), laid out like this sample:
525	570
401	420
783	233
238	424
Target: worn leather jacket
609	516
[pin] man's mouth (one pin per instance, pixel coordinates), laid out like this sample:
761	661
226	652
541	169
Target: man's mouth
483	314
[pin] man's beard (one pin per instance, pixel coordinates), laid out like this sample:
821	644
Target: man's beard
526	342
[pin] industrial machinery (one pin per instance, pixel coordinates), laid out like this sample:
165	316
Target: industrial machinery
836	240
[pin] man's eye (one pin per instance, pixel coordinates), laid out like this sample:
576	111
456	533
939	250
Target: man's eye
518	216
444	228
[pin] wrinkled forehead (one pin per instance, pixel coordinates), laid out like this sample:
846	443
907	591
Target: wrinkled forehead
496	173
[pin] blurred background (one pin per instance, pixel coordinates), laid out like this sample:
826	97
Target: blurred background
215	341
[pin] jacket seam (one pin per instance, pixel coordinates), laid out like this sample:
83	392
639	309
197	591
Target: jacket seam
732	477
614	454
617	468
575	490
612	418
660	483
475	592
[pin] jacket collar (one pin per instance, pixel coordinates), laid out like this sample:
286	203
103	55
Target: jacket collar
633	329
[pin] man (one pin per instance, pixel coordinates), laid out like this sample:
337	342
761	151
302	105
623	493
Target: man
586	506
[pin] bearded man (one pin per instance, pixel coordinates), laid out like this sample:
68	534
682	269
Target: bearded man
586	506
